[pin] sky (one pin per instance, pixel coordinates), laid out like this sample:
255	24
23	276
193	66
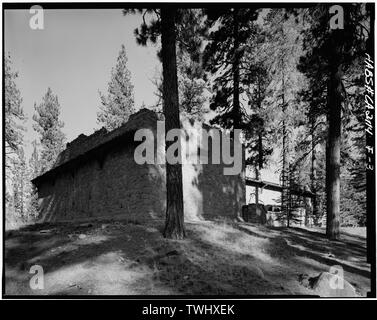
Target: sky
73	55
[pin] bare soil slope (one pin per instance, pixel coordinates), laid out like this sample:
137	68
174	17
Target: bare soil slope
217	258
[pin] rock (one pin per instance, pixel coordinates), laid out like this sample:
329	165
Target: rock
172	253
258	271
46	231
82	236
330	285
164	261
72	285
304	279
86	225
145	260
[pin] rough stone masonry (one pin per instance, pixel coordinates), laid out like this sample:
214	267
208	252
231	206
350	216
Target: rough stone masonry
96	176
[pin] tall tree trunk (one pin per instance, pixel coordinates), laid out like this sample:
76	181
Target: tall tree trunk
236	111
285	195
313	174
259	164
260	150
236	73
258	168
333	153
174	226
256	187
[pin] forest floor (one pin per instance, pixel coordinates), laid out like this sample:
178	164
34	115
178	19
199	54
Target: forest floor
216	258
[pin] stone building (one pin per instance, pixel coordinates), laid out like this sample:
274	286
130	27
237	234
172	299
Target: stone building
96	176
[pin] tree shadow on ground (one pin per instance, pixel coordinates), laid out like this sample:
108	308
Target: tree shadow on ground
215	258
348	252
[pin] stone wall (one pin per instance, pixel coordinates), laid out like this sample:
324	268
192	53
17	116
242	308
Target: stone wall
116	185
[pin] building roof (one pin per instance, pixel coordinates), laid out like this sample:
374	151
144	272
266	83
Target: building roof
85	147
298	190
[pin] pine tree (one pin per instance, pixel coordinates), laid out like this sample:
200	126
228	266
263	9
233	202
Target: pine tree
224	58
256	82
13	137
34	171
192	87
118	104
14	115
20	181
192	84
352	204
165	25
330	55
48	125
283	49
174	227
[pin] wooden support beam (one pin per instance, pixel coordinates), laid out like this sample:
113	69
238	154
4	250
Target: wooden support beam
276	187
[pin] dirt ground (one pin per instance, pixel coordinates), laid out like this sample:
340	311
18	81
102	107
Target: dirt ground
216	258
